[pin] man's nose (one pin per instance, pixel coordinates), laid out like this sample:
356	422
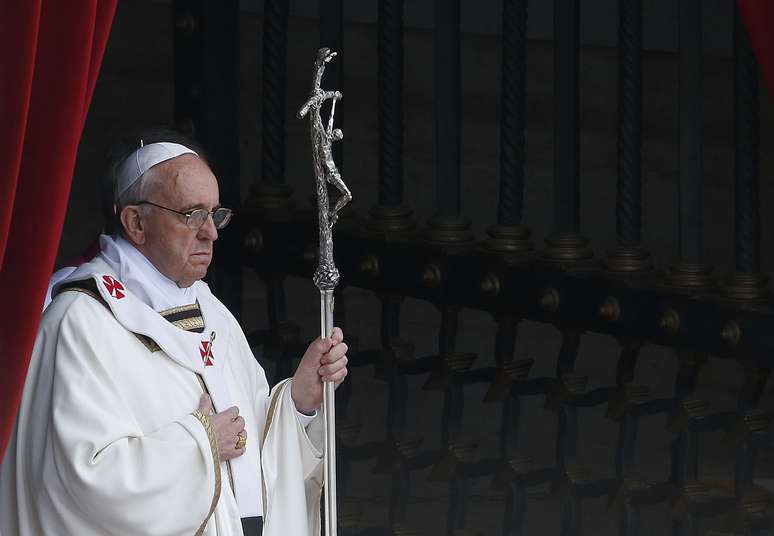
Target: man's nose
208	230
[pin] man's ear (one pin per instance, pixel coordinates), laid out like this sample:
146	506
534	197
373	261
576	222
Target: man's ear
133	223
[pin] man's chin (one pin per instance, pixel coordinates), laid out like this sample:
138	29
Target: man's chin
197	273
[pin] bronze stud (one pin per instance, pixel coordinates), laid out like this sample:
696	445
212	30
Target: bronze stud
369	265
670	321
253	241
432	275
490	285
550	300
731	333
611	309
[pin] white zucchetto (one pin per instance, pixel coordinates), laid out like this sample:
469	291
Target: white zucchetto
144	158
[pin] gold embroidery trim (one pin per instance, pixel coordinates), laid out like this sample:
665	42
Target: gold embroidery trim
149	343
189	324
84	291
216	460
180	309
269	421
270	414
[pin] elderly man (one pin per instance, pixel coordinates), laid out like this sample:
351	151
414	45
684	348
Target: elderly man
144	411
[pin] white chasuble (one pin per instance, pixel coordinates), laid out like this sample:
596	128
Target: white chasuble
105	442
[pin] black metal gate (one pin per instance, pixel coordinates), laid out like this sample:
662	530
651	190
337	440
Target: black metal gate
434	258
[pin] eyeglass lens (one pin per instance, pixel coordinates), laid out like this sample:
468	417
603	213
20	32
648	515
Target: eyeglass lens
220	218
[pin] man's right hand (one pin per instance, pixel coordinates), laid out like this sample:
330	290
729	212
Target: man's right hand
227	426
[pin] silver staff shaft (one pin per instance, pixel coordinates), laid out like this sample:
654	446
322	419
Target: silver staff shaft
326	277
329	414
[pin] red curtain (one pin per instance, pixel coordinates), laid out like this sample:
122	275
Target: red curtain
758	17
50	54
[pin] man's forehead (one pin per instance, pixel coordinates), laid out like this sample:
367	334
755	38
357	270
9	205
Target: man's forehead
185	176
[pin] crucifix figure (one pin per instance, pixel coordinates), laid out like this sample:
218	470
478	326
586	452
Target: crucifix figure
326	277
325	168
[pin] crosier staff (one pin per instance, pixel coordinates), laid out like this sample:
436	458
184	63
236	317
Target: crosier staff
326	277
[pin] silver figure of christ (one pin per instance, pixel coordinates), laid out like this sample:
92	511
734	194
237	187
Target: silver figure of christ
326	277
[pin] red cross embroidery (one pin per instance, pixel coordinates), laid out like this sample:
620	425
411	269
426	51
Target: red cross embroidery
206	352
113	286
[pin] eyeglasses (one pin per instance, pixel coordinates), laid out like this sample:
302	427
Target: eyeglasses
196	218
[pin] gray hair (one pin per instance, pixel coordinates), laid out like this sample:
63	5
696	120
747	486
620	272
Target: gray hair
135	194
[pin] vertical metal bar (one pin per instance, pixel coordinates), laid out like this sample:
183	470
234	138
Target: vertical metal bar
566	115
629	193
510	421
571	518
398	389
746	143
447	336
684	446
515	509
513	99
332	36
447	107
273	142
390	102
207	82
749	397
274	84
396	410
629	521
567	431
691	143
505	341
451	415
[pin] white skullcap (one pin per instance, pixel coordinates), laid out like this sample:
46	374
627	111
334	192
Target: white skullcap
144	158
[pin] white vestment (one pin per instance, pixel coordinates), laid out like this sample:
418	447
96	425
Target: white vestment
105	441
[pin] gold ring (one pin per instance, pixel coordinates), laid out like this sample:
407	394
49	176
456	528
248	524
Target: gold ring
241	441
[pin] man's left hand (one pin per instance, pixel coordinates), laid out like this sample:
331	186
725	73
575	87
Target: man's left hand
324	361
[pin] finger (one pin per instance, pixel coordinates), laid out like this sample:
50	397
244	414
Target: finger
232	413
333	368
337	335
232	428
237	425
336	378
205	404
335	353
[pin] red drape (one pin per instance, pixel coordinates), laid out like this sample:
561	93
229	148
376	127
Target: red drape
50	54
758	17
